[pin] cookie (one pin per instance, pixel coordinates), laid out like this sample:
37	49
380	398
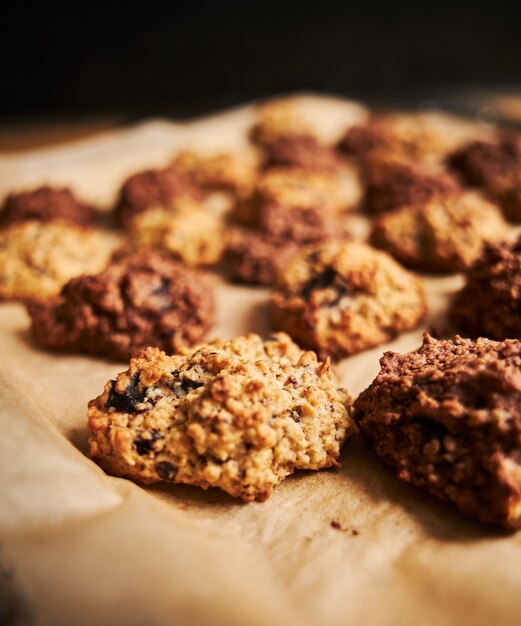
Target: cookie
425	137
445	235
392	185
256	258
152	188
45	204
301	151
344	297
137	301
216	172
496	167
447	417
240	415
185	231
38	258
279	119
489	304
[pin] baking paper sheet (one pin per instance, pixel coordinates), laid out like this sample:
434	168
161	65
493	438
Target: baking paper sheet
354	546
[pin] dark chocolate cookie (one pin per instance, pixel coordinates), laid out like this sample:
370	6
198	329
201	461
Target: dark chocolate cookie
139	301
45	204
489	305
448	418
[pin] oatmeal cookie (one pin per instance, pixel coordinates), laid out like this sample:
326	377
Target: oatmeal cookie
426	137
45	204
447	417
496	167
137	301
277	119
184	230
302	151
223	171
37	258
445	235
240	415
489	304
152	188
344	297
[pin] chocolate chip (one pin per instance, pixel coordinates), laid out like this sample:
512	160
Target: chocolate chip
126	401
188	384
166	470
144	446
321	281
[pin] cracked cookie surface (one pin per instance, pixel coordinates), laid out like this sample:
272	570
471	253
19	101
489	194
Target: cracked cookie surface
139	301
240	415
343	297
447	418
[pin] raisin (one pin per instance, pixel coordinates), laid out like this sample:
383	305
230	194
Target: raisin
144	446
166	470
126	401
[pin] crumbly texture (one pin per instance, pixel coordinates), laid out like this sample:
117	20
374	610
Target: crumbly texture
495	166
426	137
446	235
489	304
38	258
240	415
45	204
184	230
152	188
290	189
223	171
447	417
344	297
137	301
302	151
392	185
256	258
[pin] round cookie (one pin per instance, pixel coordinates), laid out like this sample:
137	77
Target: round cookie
392	185
138	301
38	258
344	297
495	166
45	204
240	415
447	417
152	188
223	171
489	304
184	230
444	235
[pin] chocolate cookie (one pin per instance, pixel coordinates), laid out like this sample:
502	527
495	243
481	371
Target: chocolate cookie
45	204
38	258
344	297
392	185
138	301
448	418
495	166
489	305
240	415
184	230
443	235
152	188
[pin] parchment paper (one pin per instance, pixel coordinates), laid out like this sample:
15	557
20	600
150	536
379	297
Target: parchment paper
79	547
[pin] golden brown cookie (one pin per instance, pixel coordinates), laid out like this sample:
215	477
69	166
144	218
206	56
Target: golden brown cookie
445	235
240	415
343	297
184	230
38	258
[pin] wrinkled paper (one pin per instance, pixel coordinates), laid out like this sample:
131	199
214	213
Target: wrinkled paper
354	546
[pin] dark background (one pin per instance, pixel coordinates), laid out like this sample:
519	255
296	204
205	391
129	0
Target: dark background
183	59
